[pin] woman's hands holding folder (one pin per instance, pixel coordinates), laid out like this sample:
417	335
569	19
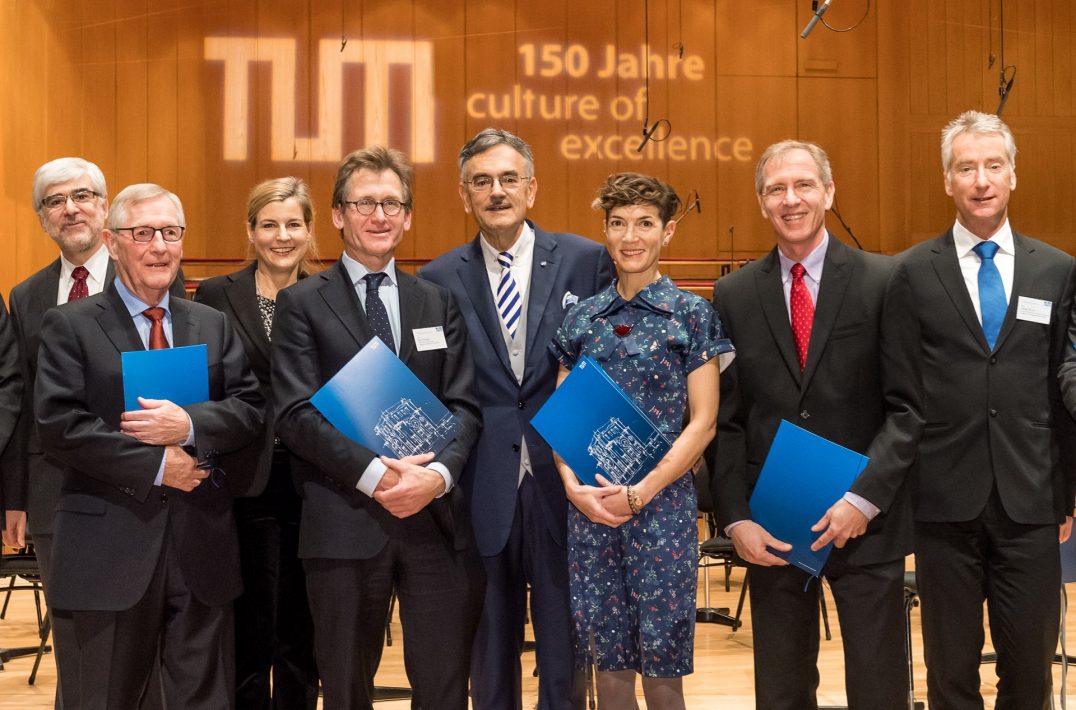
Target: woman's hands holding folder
591	500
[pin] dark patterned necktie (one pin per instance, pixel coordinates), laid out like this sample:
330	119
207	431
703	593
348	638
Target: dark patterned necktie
376	313
79	289
157	339
801	309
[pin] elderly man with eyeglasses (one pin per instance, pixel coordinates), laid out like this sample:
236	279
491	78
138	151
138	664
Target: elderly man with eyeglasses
145	556
515	282
70	198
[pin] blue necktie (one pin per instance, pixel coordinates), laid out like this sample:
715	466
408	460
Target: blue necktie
992	301
376	313
509	304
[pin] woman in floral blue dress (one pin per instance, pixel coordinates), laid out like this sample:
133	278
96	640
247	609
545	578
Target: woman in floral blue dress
632	550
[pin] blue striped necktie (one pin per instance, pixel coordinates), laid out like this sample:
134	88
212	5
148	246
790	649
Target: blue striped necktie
992	301
509	304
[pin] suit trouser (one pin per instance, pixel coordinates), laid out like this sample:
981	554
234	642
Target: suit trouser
440	593
1017	570
785	619
274	634
531	556
115	651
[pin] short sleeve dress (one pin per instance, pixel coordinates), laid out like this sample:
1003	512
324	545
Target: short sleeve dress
633	587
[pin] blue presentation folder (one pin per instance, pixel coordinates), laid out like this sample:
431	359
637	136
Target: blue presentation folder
377	402
180	375
596	428
804	474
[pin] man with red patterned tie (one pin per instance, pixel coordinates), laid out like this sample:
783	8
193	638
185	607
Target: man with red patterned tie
145	555
817	345
70	197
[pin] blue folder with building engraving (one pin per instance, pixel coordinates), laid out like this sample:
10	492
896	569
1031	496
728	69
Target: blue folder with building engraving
180	375
804	474
377	402
596	428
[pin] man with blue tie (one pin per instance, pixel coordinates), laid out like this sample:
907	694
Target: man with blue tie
374	525
993	477
515	282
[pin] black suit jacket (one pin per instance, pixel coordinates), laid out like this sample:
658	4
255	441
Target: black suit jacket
563	265
319	326
992	417
11	393
110	519
859	389
235	295
31	479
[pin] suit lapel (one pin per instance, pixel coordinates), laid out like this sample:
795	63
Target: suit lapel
242	294
836	273
472	273
411	306
544	269
947	268
339	295
186	328
1024	259
771	297
117	323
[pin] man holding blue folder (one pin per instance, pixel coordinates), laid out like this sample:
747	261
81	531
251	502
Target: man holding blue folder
818	346
374	525
145	555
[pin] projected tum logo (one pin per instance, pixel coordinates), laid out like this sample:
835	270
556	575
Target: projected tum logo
377	58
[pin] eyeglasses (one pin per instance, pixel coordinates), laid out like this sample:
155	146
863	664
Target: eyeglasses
79	197
509	182
802	188
144	235
367	206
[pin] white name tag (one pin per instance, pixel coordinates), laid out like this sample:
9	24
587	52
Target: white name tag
1034	310
430	338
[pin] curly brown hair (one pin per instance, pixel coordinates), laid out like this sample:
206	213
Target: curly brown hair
636	189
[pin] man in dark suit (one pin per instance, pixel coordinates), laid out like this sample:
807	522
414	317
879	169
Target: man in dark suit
70	197
840	370
517	499
145	553
993	479
373	524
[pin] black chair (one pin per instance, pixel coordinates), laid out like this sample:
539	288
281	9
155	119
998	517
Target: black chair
24	574
716	551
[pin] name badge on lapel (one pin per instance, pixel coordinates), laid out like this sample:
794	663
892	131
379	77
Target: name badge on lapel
430	338
1034	309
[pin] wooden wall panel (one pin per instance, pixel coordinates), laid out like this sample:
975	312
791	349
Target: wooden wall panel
130	84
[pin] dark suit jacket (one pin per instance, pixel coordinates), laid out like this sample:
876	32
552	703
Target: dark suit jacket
31	479
859	389
992	417
111	520
235	295
321	325
563	264
11	392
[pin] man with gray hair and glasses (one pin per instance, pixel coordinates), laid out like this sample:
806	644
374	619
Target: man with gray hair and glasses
70	197
514	283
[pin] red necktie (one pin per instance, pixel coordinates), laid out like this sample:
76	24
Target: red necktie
157	339
802	312
79	289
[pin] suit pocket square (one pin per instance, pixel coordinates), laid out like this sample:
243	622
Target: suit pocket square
569	299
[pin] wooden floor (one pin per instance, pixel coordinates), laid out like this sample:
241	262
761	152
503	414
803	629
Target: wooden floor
722	679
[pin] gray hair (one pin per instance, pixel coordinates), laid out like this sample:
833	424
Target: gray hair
62	170
490	138
821	160
140	192
978	123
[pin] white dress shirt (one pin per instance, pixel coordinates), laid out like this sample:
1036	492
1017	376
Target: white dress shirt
97	265
1004	260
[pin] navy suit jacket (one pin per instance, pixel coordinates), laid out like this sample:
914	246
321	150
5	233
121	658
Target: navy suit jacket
563	264
318	327
31	479
993	418
110	519
860	388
